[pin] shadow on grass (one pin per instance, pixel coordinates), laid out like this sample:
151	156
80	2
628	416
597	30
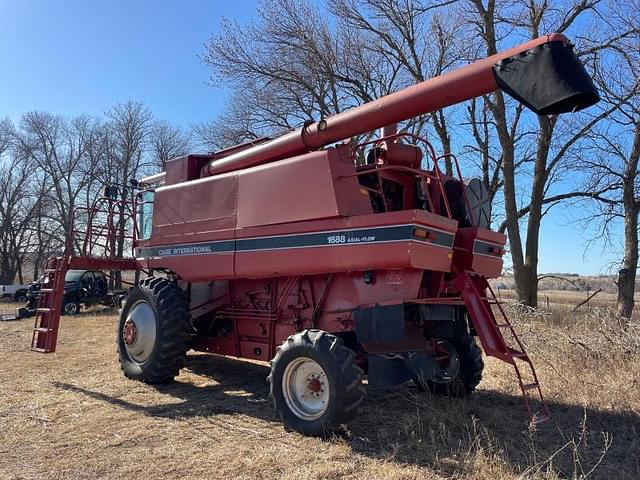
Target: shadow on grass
406	426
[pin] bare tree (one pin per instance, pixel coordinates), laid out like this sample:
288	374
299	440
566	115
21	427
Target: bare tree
19	204
541	149
57	148
6	127
417	40
167	142
47	236
252	113
126	142
52	167
614	159
302	61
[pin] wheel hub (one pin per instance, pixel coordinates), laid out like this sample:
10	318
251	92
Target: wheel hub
129	332
306	389
449	362
314	385
139	331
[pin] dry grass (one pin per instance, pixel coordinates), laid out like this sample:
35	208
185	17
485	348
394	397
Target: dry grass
563	302
73	415
568	283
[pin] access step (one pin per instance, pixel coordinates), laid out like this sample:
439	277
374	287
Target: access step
479	298
43	329
530	386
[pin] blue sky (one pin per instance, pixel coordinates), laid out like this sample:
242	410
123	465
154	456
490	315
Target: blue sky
72	57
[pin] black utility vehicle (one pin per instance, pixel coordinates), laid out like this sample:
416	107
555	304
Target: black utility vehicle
21	295
81	288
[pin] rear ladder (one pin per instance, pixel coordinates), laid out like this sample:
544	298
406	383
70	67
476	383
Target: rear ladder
45	330
475	292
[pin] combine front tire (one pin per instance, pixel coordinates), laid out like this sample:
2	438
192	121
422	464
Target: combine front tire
154	331
316	385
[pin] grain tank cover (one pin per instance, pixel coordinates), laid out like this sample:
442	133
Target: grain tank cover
549	79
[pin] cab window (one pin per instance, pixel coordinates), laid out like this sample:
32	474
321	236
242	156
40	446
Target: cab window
145	214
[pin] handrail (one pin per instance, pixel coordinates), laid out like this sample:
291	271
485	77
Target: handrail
436	176
464	190
124	209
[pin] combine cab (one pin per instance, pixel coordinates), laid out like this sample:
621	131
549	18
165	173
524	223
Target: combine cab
332	263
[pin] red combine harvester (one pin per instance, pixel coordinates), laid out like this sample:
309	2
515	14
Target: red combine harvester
331	263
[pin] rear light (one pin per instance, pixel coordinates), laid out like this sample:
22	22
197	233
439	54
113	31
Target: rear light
421	233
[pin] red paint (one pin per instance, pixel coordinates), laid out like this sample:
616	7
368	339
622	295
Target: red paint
130	332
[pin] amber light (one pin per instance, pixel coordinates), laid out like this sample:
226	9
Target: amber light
421	233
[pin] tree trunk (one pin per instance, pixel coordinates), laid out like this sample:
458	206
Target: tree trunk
510	201
527	279
627	274
36	266
498	109
626	286
627	280
7	271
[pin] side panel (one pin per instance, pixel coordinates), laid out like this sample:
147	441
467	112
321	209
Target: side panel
365	242
188	214
307	187
352	290
351	199
480	250
403	239
195	210
488	249
327	258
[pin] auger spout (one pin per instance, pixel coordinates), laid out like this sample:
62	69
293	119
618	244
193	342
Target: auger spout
543	74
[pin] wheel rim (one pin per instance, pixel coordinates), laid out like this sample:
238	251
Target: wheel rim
71	309
139	331
451	370
306	389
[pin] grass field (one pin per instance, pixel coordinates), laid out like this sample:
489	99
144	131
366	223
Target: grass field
72	414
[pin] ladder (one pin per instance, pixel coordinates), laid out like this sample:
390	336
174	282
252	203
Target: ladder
475	290
45	330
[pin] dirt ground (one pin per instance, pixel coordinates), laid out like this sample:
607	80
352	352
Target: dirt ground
73	414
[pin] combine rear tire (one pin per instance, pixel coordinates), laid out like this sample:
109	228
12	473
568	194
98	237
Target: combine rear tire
154	331
471	366
315	383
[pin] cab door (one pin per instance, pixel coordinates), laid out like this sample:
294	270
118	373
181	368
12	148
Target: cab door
87	287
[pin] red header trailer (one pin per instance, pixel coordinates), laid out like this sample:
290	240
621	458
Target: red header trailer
333	261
